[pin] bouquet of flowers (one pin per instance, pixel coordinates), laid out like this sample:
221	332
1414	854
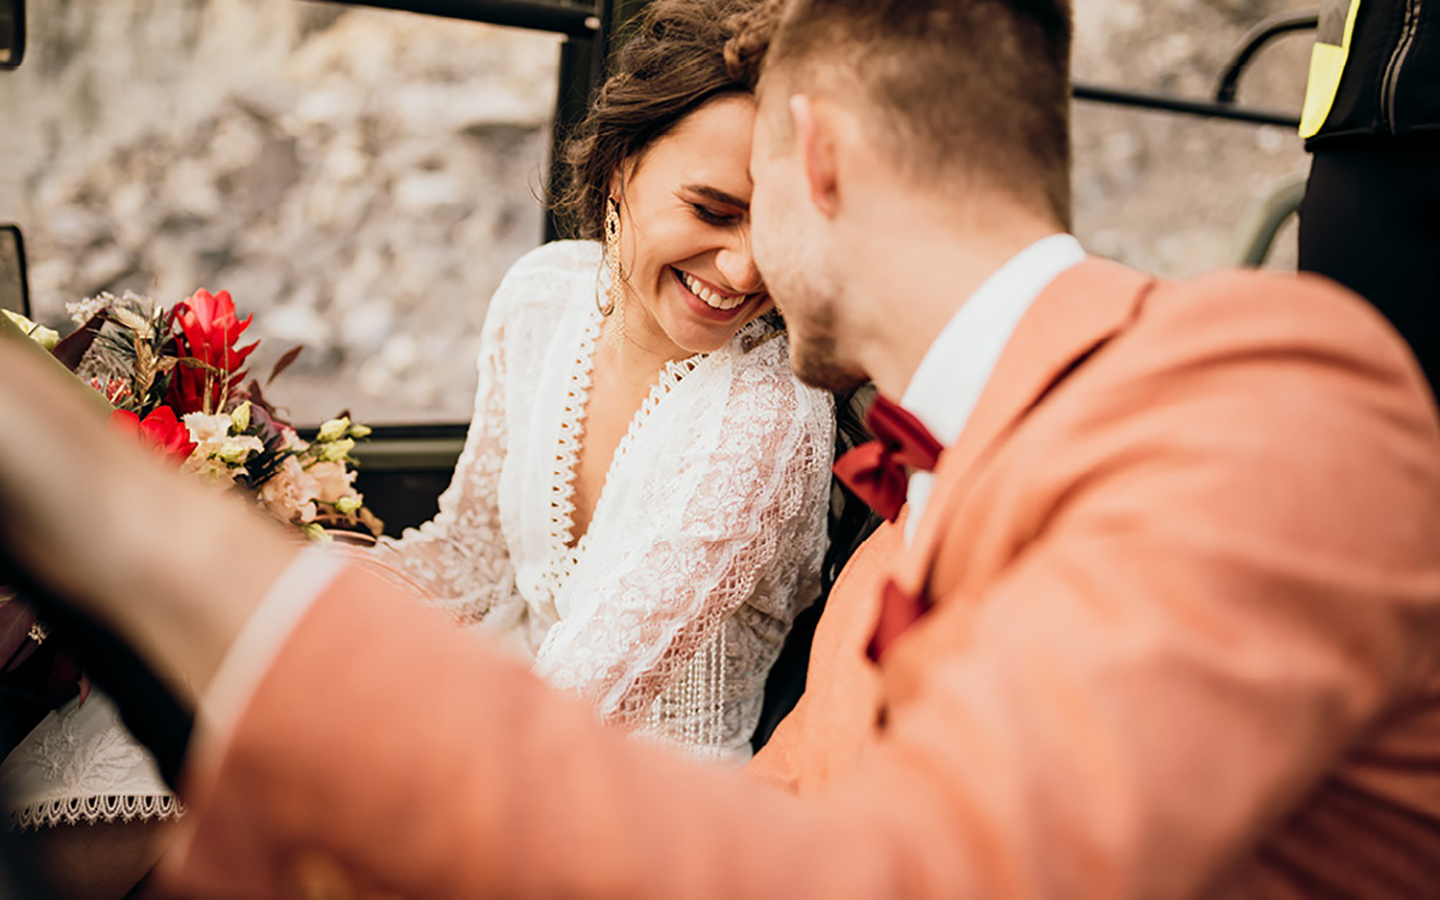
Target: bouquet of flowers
176	380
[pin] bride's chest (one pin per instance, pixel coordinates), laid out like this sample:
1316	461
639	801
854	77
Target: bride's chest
584	465
610	411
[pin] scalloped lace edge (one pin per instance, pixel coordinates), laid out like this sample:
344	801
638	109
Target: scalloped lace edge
567	454
564	558
93	810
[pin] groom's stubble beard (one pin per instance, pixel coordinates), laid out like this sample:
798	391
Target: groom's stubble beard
792	255
809	297
815	356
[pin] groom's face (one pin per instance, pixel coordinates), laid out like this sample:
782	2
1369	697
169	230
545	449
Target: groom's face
791	242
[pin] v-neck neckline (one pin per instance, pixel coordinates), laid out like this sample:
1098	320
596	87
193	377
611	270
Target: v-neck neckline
563	556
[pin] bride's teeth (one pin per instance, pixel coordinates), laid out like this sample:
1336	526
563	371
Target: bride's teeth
710	298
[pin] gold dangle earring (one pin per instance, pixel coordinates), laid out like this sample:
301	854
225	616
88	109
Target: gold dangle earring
615	295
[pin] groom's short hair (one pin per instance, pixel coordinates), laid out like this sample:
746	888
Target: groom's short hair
964	91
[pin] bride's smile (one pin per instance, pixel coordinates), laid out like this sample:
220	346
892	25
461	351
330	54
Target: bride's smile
711	302
691	281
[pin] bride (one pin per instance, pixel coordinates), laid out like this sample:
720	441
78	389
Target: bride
640	507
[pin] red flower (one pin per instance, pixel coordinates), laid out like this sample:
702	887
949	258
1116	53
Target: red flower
209	331
160	430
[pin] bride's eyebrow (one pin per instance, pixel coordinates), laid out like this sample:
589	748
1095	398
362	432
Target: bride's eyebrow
719	196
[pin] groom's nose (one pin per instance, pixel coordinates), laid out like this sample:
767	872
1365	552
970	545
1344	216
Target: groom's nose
737	264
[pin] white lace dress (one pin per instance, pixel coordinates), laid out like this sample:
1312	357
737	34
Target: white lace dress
80	766
706	539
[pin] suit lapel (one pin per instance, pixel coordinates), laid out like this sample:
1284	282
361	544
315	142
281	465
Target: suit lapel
1079	311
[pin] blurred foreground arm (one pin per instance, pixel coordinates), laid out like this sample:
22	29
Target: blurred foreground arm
1166	695
171	567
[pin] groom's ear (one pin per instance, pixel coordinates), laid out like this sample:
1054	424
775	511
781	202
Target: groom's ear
815	141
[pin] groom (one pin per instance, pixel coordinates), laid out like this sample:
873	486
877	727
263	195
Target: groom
1164	621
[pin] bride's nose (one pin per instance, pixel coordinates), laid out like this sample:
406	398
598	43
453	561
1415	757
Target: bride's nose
737	264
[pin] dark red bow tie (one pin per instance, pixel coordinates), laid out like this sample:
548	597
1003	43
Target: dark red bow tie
877	471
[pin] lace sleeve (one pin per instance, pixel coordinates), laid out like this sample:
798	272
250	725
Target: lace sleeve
459	558
740	519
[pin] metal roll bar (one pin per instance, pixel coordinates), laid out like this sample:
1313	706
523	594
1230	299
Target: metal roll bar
1253	42
535	15
1167	103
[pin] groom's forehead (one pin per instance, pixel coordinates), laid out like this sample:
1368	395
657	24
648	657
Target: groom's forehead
773	124
768	91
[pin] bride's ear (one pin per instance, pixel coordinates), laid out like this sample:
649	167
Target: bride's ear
619	179
815	137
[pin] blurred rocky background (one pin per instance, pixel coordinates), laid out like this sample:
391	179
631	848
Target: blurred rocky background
1170	193
361	179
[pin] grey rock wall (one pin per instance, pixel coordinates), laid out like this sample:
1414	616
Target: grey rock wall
361	179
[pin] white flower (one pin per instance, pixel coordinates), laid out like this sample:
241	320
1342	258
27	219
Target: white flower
218	455
291	493
208	429
83	311
289	440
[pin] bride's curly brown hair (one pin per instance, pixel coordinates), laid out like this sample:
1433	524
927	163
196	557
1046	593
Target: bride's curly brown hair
670	64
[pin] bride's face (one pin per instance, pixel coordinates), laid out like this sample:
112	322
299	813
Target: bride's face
685	233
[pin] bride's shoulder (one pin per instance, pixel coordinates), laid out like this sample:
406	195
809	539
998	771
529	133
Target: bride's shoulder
760	356
550	275
560	258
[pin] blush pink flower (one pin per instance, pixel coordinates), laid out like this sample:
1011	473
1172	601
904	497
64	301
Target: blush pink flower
291	493
333	479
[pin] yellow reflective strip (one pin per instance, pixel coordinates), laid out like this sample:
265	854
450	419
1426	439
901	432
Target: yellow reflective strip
1327	65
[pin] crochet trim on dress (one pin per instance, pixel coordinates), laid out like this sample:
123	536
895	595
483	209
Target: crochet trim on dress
92	810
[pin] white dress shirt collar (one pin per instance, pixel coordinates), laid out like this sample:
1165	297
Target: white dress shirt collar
954	371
